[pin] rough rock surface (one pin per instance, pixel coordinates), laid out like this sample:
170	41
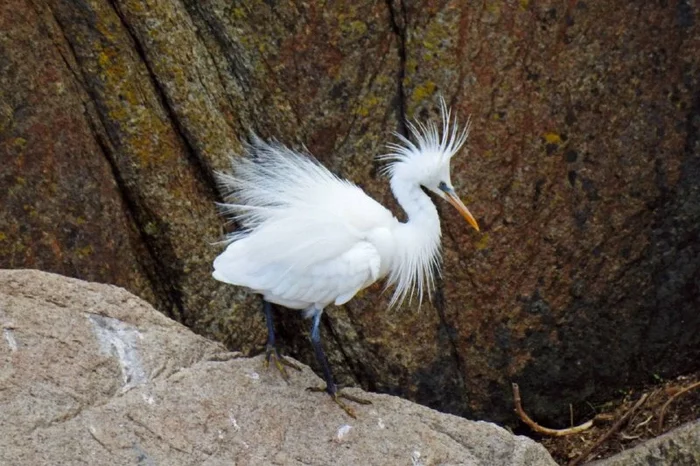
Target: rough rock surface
91	374
679	447
581	168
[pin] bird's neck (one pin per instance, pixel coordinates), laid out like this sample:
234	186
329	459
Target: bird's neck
420	209
417	242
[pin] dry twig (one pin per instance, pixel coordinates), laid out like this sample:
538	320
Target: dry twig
611	431
660	425
541	429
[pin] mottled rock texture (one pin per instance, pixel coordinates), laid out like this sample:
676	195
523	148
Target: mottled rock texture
93	375
582	168
679	447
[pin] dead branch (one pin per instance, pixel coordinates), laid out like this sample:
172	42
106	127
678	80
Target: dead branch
611	431
660	425
541	429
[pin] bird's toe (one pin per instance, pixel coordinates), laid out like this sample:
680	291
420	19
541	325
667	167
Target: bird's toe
271	354
338	396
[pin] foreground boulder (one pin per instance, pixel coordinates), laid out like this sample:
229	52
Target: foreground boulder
92	374
679	447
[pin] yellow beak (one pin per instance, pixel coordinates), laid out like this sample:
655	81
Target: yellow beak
459	205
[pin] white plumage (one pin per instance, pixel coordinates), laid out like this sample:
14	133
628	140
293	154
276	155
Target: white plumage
305	236
309	239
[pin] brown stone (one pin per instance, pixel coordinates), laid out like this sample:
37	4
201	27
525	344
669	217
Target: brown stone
679	447
582	169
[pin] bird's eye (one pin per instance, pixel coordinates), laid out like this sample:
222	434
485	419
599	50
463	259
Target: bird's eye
442	186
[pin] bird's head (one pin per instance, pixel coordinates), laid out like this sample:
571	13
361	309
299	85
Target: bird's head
427	161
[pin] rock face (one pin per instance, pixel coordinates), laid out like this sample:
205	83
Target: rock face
91	374
680	447
581	168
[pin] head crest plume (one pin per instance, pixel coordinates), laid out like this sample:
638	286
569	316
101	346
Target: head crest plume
429	141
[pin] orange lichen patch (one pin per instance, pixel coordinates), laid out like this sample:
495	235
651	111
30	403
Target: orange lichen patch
54	245
552	138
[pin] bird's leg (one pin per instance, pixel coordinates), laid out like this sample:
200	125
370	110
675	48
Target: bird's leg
270	348
331	388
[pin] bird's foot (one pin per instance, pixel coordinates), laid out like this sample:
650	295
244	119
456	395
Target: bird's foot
336	397
280	361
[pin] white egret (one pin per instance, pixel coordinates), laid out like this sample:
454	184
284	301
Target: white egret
309	239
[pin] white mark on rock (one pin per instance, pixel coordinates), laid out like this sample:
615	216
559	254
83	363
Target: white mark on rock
415	458
148	398
253	375
10	339
221	434
233	422
120	340
380	423
342	432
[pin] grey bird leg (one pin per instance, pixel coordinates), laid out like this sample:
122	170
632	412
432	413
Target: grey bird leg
270	348
331	388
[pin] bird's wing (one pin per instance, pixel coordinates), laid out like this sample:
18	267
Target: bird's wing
285	280
271	182
303	228
333	281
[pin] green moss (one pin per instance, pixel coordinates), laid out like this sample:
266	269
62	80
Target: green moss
482	243
354	29
423	91
103	59
494	8
364	107
238	13
150	229
430	45
411	65
84	251
30	210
